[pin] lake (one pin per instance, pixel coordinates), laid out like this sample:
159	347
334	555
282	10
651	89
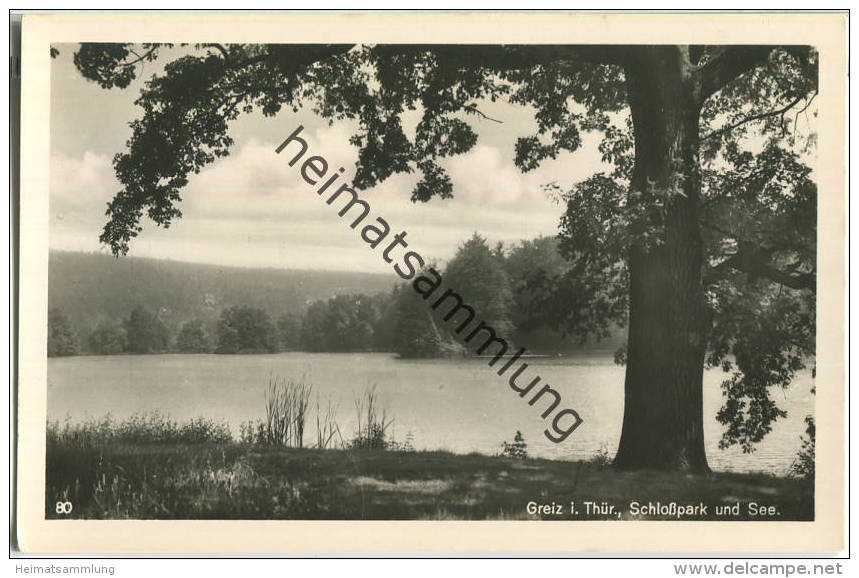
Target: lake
457	405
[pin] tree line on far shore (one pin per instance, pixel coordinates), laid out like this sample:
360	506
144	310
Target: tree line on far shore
506	285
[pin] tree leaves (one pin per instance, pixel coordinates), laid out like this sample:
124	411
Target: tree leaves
187	108
758	214
762	335
112	65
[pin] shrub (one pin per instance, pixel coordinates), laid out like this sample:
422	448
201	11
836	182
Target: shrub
803	464
602	458
517	449
406	446
372	426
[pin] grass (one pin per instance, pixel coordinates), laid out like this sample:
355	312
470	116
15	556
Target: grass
140	428
151	467
139	478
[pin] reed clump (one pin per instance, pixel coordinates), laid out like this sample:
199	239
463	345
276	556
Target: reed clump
373	422
327	430
286	405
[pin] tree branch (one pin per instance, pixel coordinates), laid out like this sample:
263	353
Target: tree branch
139	58
803	109
513	57
754	261
220	48
753	118
292	58
730	63
474	110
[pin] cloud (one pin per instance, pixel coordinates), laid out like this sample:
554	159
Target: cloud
83	179
252	208
80	188
486	174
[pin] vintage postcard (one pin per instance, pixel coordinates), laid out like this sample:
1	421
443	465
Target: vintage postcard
432	283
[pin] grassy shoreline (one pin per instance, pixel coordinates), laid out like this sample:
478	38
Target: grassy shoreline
174	479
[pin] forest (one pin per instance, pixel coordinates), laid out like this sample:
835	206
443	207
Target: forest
352	313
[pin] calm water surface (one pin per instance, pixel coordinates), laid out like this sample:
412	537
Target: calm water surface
458	405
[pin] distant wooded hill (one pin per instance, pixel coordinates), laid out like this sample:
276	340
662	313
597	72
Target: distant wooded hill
100	305
91	287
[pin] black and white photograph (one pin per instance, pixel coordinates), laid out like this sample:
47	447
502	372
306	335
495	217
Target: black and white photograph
456	280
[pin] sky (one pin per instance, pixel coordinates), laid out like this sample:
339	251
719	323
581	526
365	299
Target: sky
252	210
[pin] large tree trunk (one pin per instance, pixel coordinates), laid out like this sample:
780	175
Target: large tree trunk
663	420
